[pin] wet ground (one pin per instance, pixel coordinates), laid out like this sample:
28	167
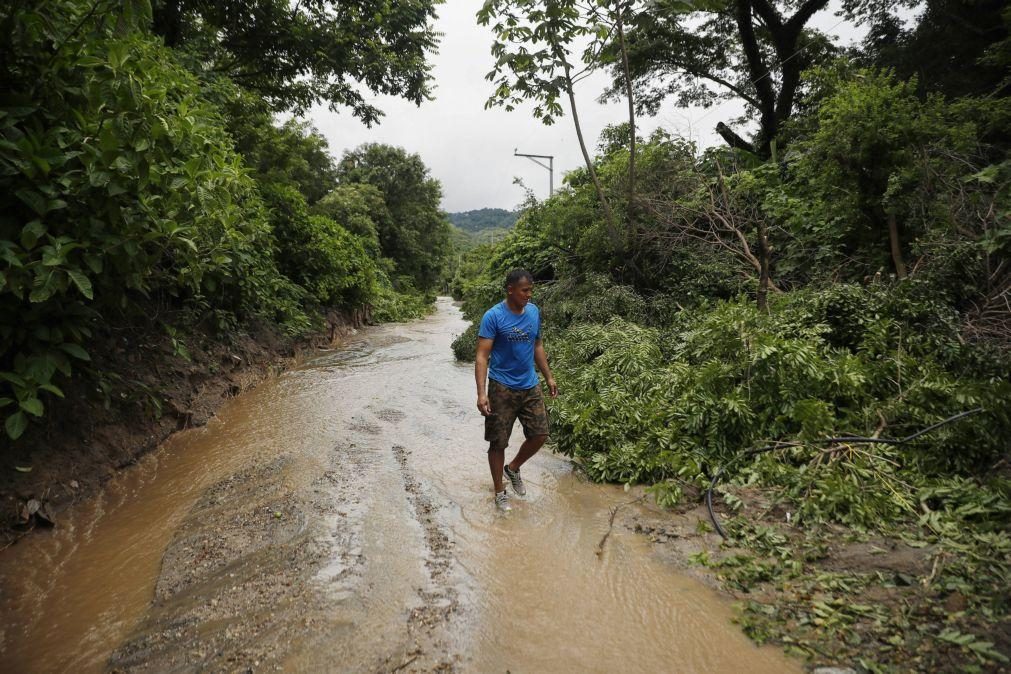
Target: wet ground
339	518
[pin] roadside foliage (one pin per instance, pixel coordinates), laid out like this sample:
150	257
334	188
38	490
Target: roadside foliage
139	181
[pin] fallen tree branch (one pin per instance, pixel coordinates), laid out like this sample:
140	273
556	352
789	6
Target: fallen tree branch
610	523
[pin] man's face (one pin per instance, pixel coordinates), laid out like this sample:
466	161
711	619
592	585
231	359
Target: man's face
521	292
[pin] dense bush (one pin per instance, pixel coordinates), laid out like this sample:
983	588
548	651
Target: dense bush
125	187
319	254
138	178
646	404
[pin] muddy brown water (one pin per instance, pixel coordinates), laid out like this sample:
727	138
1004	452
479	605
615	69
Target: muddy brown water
339	518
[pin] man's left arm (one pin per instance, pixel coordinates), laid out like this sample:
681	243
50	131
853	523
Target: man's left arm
541	360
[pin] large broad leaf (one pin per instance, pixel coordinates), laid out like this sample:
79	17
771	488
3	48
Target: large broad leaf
33	406
82	282
52	389
31	233
75	350
34	200
16	425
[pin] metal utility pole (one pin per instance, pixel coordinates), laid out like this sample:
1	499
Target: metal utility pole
550	167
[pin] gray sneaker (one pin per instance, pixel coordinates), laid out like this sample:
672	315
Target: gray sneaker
516	481
502	501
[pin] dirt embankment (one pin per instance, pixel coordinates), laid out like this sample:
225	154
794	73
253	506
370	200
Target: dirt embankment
143	386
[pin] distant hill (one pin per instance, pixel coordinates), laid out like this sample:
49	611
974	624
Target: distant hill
484	218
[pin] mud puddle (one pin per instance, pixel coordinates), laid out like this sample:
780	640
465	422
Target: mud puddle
339	519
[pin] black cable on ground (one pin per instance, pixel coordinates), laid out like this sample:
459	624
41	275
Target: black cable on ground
852	439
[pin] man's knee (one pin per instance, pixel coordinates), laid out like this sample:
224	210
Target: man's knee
538	439
495	447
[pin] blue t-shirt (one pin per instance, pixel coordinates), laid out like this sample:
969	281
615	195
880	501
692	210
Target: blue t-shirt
512	353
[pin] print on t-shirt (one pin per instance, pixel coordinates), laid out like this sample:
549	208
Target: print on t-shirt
518	335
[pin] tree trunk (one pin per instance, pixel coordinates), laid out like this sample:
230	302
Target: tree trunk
773	108
764	256
167	22
734	140
612	229
759	74
896	246
631	110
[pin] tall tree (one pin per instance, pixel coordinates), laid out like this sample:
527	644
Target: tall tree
294	152
534	44
416	236
750	50
953	48
299	54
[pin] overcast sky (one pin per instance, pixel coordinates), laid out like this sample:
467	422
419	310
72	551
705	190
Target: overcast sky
470	149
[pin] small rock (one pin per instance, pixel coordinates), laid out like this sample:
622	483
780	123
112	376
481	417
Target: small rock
834	670
956	603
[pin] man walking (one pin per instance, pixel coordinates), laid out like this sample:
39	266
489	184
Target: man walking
510	335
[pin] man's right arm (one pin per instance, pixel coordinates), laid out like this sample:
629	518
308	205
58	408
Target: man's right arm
481	374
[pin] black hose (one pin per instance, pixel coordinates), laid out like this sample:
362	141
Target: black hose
853	439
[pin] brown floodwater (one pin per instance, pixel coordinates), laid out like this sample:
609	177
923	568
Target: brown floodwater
416	567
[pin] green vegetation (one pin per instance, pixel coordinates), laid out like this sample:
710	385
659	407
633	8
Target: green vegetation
844	271
482	219
145	176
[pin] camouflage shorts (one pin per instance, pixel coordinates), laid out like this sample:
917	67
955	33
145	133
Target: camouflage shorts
506	405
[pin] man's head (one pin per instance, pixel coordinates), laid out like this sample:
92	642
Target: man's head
519	286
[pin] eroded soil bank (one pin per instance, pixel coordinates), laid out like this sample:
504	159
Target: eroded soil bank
152	385
338	518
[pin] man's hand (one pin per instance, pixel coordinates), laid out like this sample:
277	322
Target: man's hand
552	387
484	405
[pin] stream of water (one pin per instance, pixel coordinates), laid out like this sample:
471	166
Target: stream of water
339	518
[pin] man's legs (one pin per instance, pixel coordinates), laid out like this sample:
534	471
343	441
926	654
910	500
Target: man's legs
529	447
534	417
498	426
496	461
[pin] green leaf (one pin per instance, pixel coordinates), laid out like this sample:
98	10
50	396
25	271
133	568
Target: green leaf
94	263
13	378
82	282
33	199
31	233
4	402
33	406
75	350
52	389
16	425
9	256
51	258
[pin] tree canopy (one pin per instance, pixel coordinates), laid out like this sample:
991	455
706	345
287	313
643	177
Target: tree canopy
296	55
755	51
417	235
483	218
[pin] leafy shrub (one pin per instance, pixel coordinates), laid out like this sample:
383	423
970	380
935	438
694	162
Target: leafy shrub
125	185
319	254
392	305
646	404
465	344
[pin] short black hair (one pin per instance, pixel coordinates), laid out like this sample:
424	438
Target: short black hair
517	275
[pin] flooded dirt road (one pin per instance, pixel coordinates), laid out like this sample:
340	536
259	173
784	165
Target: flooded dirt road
339	518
